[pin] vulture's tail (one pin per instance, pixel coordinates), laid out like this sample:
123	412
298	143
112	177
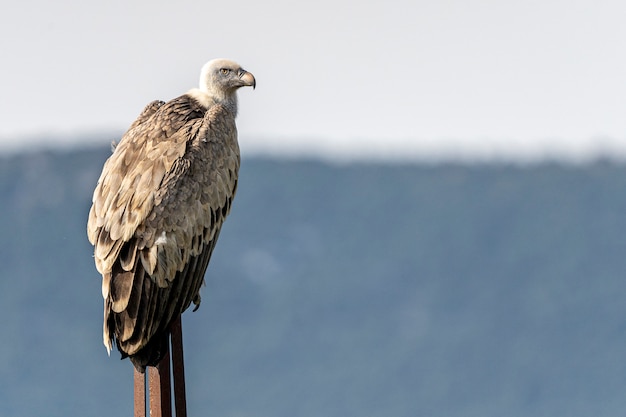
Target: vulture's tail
152	353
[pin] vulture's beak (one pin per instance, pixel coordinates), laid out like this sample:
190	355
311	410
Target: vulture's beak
247	79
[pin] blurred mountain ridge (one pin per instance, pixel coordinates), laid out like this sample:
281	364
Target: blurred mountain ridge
340	289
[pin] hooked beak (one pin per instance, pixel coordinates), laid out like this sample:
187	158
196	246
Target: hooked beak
247	79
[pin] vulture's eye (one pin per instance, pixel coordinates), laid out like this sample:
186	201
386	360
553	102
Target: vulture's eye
224	71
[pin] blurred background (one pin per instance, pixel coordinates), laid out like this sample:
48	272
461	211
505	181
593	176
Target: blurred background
429	221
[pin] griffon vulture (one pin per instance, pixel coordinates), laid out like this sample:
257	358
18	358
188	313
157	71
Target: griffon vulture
158	208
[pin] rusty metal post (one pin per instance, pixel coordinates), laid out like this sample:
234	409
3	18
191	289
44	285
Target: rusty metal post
160	388
178	368
140	393
159	378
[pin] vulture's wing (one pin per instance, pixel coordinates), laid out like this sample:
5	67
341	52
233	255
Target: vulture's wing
156	215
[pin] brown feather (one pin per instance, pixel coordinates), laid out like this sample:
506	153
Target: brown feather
120	290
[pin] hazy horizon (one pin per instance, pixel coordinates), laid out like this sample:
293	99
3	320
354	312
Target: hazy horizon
322	149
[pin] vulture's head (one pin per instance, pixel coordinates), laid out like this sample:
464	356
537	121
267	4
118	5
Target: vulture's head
220	79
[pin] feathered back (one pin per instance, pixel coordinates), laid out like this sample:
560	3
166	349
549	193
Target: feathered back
157	212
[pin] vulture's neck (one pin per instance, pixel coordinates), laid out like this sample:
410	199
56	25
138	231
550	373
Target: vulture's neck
208	99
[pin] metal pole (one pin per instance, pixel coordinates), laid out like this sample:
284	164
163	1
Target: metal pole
159	395
178	368
160	388
140	393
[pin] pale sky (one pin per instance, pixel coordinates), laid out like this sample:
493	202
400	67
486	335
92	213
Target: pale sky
339	77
